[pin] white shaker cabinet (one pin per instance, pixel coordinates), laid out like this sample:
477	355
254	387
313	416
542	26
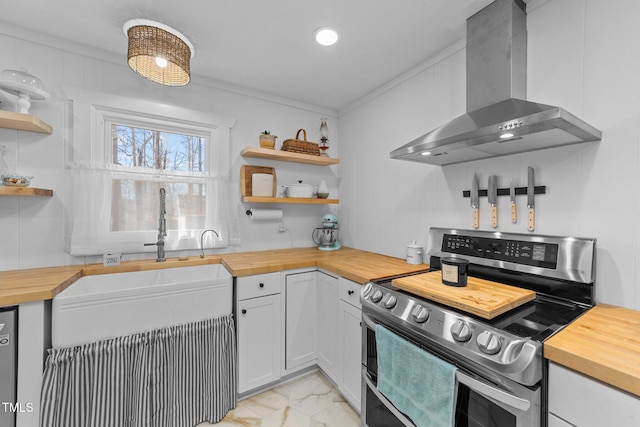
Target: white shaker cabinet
259	324
301	320
577	400
350	340
327	330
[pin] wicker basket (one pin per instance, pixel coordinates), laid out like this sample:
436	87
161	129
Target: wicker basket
301	146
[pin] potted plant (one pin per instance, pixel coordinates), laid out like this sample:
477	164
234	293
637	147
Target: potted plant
267	140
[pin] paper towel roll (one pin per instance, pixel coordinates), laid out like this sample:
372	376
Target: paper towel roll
265	214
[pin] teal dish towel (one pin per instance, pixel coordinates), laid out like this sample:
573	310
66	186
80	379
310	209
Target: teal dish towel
419	384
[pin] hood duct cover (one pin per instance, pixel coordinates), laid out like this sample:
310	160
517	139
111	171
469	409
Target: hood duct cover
498	121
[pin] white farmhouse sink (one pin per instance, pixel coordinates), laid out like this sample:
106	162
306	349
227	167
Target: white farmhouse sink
111	305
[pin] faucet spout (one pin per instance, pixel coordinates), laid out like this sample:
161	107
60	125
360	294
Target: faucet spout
202	238
162	228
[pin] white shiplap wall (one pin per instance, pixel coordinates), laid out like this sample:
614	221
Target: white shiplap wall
583	56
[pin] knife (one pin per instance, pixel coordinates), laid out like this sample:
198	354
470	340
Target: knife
530	200
514	208
475	201
492	193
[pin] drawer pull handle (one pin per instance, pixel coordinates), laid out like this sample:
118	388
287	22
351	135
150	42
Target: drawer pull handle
262	285
244	311
350	292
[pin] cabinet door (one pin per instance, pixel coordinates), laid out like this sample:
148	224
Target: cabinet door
259	341
351	348
328	340
300	324
585	402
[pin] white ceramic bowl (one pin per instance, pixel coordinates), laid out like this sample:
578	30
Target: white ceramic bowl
299	190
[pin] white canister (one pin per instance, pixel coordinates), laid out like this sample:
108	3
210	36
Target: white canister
262	185
414	253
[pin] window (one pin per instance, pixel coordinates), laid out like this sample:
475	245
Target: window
137	147
148	151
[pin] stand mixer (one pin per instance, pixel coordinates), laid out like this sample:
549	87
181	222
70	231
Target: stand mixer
326	237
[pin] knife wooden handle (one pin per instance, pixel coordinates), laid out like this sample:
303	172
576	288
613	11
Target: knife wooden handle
476	218
494	216
532	219
514	213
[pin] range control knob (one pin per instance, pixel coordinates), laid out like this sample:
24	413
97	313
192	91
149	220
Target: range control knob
389	301
460	331
489	343
366	290
376	296
420	314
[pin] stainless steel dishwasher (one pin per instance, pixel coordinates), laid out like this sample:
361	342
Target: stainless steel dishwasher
8	365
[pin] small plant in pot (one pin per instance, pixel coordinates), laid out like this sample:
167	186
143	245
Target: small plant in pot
267	140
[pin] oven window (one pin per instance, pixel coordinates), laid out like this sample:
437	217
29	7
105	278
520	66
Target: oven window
473	410
377	414
372	355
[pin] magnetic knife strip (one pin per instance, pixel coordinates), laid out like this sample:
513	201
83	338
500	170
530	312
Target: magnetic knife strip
539	189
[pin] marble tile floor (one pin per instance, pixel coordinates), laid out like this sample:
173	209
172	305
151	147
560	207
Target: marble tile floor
308	401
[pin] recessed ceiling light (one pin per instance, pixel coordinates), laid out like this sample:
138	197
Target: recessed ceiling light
425	153
326	36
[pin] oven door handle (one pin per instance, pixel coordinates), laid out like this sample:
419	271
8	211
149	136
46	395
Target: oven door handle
369	322
493	392
399	415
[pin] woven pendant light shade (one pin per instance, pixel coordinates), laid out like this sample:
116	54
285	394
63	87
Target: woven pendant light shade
149	42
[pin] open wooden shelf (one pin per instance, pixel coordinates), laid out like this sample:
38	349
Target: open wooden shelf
20	121
25	191
285	156
289	200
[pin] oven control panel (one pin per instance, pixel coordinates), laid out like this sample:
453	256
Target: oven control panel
536	254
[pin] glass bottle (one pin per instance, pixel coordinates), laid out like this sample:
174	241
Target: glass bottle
324	137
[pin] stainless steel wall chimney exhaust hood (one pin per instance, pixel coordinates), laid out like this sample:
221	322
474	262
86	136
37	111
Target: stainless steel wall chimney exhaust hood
499	121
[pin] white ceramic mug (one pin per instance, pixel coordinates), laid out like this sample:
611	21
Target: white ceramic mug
414	253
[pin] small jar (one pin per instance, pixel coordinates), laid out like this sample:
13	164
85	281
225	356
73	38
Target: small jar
454	271
414	253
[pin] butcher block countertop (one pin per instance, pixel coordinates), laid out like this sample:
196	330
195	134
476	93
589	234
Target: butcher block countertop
604	344
21	286
353	264
149	264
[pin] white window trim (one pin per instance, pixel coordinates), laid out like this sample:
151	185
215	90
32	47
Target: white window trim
91	109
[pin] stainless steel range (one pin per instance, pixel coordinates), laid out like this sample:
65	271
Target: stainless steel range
500	371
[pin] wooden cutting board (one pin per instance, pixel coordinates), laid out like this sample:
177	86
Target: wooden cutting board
481	297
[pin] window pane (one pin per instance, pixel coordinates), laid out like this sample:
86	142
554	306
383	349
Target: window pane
149	148
135	205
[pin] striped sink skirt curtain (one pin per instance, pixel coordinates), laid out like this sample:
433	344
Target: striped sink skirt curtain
173	377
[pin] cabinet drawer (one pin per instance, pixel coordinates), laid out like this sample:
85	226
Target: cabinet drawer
258	285
349	292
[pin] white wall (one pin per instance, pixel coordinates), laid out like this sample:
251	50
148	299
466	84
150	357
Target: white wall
32	228
583	56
